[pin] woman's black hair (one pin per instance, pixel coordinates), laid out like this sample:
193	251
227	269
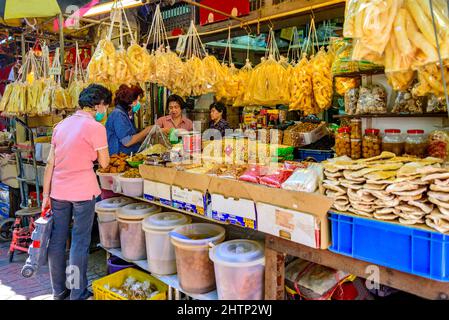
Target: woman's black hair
93	95
176	98
220	107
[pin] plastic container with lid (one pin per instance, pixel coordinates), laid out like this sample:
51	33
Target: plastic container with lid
356	149
371	143
192	243
107	222
131	187
132	237
239	269
343	142
160	251
416	143
356	128
393	142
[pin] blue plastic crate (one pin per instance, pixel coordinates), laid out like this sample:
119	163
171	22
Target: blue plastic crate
318	155
408	249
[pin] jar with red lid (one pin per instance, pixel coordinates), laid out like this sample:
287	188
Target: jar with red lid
371	143
415	143
393	141
343	142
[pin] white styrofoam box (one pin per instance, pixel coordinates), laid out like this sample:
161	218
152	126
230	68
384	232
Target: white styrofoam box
190	200
156	191
294	225
240	212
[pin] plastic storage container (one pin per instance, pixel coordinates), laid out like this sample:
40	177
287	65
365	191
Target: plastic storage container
160	251
416	143
116	264
131	187
117	279
356	149
106	180
343	142
132	237
107	222
408	249
393	142
239	270
192	243
371	143
316	155
356	128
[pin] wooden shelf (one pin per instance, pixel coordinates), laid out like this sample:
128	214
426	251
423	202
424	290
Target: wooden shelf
392	115
170	280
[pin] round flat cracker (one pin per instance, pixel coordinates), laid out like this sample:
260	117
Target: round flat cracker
352	185
341	208
439	203
387	216
360	213
332	182
444	211
385	211
387	203
439	188
442	196
413	198
439	182
440	228
411	222
434	176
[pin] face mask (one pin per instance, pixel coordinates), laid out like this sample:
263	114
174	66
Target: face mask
136	107
99	116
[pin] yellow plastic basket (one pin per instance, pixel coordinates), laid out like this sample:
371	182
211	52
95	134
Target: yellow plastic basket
116	279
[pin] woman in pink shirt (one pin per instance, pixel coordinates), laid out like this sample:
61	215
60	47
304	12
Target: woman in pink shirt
71	188
175	120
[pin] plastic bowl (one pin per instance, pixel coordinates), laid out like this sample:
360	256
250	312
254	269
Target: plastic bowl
134	164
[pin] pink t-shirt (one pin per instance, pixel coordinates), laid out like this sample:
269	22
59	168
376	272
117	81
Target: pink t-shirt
167	122
76	141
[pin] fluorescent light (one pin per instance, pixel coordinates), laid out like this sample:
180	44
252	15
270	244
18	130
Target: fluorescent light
106	7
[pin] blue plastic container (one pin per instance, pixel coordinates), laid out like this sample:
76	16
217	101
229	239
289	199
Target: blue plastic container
318	155
405	248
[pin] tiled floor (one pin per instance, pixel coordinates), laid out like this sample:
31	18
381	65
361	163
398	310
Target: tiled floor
15	287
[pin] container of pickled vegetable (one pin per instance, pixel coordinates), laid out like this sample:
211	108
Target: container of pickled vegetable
393	142
371	143
343	142
356	128
416	143
356	149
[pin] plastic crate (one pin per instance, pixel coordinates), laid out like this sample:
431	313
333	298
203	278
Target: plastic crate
116	279
405	248
317	155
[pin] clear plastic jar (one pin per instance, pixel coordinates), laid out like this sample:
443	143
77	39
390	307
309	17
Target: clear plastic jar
393	142
343	142
356	149
371	143
416	143
356	128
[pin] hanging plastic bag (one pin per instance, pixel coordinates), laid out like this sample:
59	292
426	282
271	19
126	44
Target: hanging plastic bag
156	142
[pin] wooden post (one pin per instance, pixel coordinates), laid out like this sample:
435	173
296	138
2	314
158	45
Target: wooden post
274	273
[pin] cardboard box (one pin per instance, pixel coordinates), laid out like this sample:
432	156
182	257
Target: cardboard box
189	192
158	183
230	201
296	216
314	135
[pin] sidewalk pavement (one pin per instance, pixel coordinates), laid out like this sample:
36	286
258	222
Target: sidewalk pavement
15	287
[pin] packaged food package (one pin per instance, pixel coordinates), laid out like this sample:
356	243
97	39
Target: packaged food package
293	165
343	62
314	281
243	77
305	180
400	80
439	144
430	80
157	139
302	92
139	60
435	104
372	99
342	85
406	102
322	79
351	99
275	178
254	173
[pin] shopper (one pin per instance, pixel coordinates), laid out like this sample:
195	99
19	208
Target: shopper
122	133
217	117
71	187
175	119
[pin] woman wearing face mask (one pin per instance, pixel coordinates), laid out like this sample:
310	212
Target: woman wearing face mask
217	117
71	187
122	133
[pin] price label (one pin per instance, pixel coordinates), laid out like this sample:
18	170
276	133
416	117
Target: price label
55	71
181	45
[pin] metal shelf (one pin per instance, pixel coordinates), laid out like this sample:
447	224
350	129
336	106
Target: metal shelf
392	115
171	280
359	73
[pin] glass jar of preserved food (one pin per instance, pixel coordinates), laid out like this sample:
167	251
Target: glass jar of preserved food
393	142
356	128
356	149
371	143
343	142
415	143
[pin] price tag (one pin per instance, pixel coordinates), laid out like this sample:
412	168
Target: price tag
55	71
181	45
